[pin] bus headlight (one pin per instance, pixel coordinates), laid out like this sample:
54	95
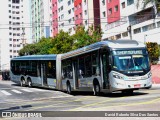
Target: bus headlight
118	76
149	74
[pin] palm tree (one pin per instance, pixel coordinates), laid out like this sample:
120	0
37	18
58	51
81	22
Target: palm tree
156	4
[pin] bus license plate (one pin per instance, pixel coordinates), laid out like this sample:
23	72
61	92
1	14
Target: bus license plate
137	85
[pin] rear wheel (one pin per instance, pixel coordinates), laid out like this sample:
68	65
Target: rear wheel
29	82
22	82
96	89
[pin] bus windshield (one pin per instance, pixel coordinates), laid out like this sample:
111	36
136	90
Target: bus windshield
131	63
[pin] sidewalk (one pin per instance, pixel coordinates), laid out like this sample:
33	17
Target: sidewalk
155	69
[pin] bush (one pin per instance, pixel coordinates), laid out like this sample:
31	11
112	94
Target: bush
153	50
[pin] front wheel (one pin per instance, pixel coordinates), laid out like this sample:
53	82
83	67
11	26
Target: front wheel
96	89
69	88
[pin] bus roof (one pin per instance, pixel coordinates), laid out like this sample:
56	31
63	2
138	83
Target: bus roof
36	57
114	44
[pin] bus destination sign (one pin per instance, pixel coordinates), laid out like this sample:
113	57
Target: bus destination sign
126	52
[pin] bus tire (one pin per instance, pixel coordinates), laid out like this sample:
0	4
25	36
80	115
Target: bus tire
29	82
22	82
69	88
96	89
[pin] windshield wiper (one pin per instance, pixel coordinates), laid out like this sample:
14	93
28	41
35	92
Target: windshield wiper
144	70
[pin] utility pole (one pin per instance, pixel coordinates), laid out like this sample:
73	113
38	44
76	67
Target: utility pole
129	29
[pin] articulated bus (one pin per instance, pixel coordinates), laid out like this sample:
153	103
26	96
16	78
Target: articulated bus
36	70
107	66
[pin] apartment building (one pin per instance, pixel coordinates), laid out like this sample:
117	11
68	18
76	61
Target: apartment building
122	19
14	30
67	14
41	19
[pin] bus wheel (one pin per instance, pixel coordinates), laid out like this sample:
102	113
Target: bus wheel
96	89
23	83
69	88
29	82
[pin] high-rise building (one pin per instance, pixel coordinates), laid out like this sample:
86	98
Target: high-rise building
14	29
41	19
124	19
67	14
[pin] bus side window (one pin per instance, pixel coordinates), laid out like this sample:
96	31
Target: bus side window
88	65
81	67
95	68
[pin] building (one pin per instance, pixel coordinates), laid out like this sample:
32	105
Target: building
122	19
67	14
41	19
14	29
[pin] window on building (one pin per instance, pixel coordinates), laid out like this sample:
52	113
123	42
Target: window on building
103	2
116	8
129	2
104	14
138	30
125	34
86	22
123	4
69	11
69	20
118	36
109	1
110	11
85	12
69	2
15	1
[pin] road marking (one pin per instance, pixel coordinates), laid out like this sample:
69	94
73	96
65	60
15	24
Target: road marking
36	89
26	90
58	103
5	92
16	91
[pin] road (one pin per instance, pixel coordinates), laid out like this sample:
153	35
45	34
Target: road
16	98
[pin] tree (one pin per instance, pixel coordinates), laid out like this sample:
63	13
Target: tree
42	47
83	38
62	43
153	50
29	49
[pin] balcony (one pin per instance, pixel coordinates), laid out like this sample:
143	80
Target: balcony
142	16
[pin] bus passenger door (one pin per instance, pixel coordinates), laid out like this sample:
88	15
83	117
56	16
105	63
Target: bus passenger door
105	69
75	74
44	73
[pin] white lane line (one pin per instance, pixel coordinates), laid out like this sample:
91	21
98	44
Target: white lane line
16	91
26	90
5	92
36	89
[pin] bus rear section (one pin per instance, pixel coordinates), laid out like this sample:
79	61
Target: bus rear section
35	70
